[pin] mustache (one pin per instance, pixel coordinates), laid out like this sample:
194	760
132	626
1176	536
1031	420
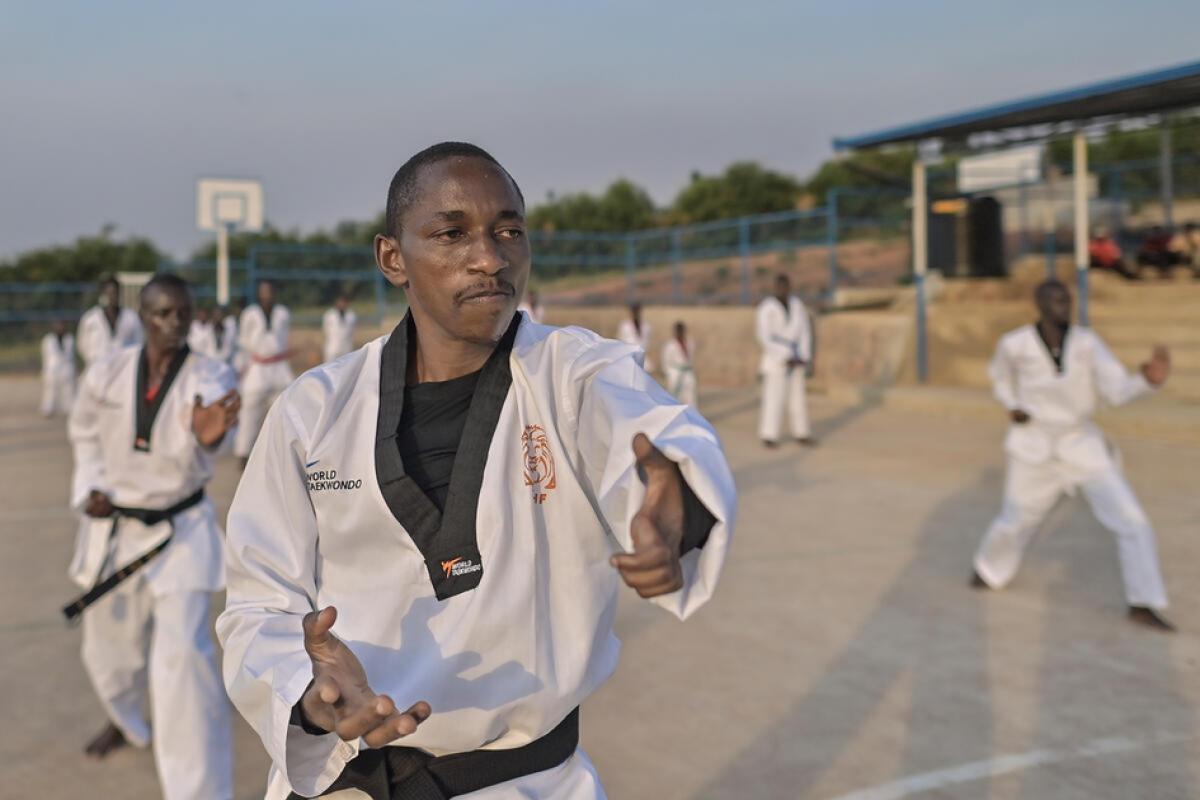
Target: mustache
498	286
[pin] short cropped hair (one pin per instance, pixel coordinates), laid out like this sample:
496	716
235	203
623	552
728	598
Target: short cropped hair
164	281
402	191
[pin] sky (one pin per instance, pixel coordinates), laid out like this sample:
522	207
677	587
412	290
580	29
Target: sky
110	112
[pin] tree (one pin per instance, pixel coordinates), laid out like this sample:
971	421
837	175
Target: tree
88	259
744	188
624	206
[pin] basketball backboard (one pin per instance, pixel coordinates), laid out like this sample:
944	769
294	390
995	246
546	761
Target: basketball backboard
229	203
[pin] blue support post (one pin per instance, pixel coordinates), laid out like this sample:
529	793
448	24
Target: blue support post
631	267
744	252
831	240
676	267
251	274
1083	297
1023	246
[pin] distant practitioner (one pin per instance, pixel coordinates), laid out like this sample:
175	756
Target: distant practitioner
338	326
107	327
1049	376
224	326
200	335
58	370
1105	253
1155	251
783	330
263	338
635	331
533	307
677	355
1185	247
144	430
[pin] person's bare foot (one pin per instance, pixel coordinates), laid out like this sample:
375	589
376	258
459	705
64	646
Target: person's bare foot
977	581
106	742
770	444
806	441
1150	618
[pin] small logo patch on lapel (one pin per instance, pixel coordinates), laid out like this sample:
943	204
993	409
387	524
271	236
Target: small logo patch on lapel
538	463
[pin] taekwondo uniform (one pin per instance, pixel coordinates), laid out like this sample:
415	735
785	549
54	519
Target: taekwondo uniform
152	632
677	369
629	333
58	374
536	313
96	338
225	344
339	332
497	611
201	339
1060	450
784	334
263	343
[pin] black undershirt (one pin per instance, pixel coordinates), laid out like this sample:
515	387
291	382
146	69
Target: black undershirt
430	430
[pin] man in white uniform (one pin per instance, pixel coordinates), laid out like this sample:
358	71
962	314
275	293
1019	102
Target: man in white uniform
144	430
463	499
633	330
1048	376
107	327
224	327
58	371
263	339
677	357
533	307
338	326
782	328
200	336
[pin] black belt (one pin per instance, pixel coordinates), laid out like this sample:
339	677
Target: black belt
146	516
408	773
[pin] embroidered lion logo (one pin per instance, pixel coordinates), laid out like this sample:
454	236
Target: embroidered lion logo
538	462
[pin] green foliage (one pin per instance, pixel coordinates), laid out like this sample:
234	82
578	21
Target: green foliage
744	188
89	259
624	206
348	233
1136	146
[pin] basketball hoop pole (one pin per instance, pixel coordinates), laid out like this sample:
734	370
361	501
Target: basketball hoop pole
223	264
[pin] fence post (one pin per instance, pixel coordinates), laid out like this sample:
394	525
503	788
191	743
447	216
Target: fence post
631	266
676	267
744	250
831	239
380	295
1023	241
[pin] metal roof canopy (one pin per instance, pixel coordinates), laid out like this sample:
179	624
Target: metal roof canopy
1141	95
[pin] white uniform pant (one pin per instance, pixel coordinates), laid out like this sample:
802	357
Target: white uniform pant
58	395
782	388
134	641
1030	492
682	384
255	405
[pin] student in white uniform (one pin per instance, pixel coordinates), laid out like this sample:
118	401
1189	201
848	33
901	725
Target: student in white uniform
462	498
1049	376
782	328
533	307
263	339
635	331
107	327
224	328
144	429
58	371
677	358
200	336
338	326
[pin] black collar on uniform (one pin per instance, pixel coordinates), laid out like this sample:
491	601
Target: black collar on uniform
1056	355
448	541
148	412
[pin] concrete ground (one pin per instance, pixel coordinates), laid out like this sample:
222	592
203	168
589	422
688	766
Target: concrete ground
843	656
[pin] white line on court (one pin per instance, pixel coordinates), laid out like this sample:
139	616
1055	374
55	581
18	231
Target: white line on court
974	770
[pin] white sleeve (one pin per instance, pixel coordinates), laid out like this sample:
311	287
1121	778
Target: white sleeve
1004	384
775	346
47	354
270	558
83	342
328	325
83	429
620	400
246	332
804	334
1115	384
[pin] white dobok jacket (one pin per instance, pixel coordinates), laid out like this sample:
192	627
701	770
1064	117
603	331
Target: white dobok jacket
1059	404
95	339
783	334
677	368
201	339
58	358
499	612
339	332
628	333
265	347
145	455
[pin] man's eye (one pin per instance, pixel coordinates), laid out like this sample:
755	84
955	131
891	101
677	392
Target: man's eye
450	235
512	233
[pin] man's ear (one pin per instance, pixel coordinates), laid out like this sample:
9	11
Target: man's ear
390	261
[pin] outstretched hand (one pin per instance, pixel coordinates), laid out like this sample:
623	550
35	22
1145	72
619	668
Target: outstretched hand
1158	367
210	423
657	530
340	700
